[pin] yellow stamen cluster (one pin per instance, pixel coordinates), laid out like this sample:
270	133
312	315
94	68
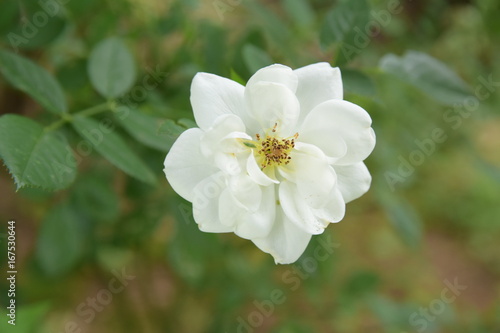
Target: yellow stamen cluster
272	150
275	151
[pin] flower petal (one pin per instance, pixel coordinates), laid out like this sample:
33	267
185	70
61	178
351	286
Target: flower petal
248	224
227	163
233	142
256	173
228	209
220	129
247	193
259	223
276	73
212	96
334	210
349	121
206	204
273	103
297	210
185	165
353	180
311	172
317	83
285	242
330	142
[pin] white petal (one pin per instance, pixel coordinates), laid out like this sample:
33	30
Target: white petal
228	210
185	165
206	204
297	210
278	74
220	129
353	180
247	193
311	172
232	143
227	163
258	224
349	121
256	173
286	242
330	142
273	103
248	224
334	209
317	83
212	96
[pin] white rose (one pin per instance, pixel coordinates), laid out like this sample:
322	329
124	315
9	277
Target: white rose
275	161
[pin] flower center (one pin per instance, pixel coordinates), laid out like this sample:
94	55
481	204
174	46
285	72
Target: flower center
272	150
275	151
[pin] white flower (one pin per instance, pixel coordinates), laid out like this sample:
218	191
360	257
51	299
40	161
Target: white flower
275	161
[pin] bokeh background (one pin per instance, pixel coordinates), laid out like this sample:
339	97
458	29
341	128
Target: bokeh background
424	225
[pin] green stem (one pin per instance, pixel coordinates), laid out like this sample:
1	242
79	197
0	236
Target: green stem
96	109
67	118
55	125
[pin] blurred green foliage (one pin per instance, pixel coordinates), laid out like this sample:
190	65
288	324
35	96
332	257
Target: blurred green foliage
125	67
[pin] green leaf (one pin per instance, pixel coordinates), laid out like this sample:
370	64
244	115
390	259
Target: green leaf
61	240
113	148
357	82
33	80
236	77
36	23
345	25
213	40
341	20
255	58
145	129
271	23
170	129
187	123
300	11
73	76
95	197
427	74
111	68
35	157
49	33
